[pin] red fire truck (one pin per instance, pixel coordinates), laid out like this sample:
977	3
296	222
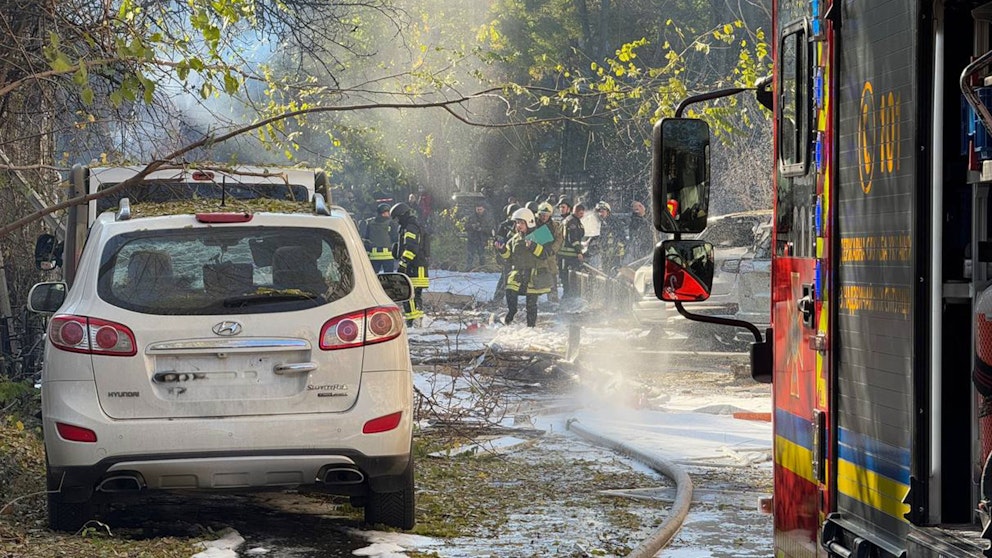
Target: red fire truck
882	166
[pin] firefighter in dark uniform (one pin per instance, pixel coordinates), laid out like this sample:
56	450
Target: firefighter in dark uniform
571	253
378	235
412	250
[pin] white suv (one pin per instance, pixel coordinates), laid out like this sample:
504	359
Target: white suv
226	351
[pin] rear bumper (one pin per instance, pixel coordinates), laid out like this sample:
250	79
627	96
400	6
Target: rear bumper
241	471
236	452
650	311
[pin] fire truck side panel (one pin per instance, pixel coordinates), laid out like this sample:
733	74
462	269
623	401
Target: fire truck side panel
798	490
875	348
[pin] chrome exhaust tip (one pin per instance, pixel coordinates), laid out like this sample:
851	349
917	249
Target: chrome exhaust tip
341	476
121	483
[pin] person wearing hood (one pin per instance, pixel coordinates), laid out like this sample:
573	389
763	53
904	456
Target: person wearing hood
529	275
413	252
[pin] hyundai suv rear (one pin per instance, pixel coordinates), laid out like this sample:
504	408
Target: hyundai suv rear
227	352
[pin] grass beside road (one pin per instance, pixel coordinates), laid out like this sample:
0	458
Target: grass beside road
473	495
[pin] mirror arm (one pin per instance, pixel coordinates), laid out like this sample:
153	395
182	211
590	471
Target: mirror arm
721	321
719	93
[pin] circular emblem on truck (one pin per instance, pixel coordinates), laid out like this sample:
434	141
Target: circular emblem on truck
227	328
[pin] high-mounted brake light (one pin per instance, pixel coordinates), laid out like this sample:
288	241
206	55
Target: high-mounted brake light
223	217
82	334
203	175
365	327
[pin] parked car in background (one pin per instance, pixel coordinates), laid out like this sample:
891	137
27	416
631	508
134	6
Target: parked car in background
731	235
754	277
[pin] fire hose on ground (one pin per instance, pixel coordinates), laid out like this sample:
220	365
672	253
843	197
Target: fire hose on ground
683	487
618	294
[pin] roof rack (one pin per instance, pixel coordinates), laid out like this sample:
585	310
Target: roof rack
124	210
319	206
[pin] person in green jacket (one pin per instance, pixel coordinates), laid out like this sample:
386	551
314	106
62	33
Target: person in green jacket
529	274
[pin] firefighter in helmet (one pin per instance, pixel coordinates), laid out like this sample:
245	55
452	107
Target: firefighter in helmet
378	234
501	233
543	218
529	274
413	251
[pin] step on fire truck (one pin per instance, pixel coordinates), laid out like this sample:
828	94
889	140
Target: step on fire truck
880	350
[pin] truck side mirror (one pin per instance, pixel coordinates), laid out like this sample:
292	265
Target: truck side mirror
683	270
680	175
763	91
397	286
47	252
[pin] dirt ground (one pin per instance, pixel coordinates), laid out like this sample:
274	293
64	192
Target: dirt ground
485	487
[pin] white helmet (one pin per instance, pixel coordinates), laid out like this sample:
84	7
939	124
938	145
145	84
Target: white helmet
525	215
604	205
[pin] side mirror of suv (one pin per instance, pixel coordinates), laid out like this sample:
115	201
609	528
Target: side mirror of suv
397	286
46	298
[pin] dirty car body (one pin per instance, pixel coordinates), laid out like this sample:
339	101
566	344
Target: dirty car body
204	352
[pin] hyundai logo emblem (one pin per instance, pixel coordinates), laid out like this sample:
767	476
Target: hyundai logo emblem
227	328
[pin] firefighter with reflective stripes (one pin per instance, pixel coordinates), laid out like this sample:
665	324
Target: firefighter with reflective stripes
412	251
544	212
529	275
571	251
378	234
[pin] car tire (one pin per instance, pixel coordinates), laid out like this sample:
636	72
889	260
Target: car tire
65	516
395	509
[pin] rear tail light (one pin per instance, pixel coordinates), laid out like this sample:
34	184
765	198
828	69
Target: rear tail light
82	334
365	327
75	433
382	424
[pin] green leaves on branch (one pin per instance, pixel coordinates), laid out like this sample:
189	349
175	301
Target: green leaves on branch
135	49
632	88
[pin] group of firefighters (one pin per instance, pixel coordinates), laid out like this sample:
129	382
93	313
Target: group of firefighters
394	234
538	251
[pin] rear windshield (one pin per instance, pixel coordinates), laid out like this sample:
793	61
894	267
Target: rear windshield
224	270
